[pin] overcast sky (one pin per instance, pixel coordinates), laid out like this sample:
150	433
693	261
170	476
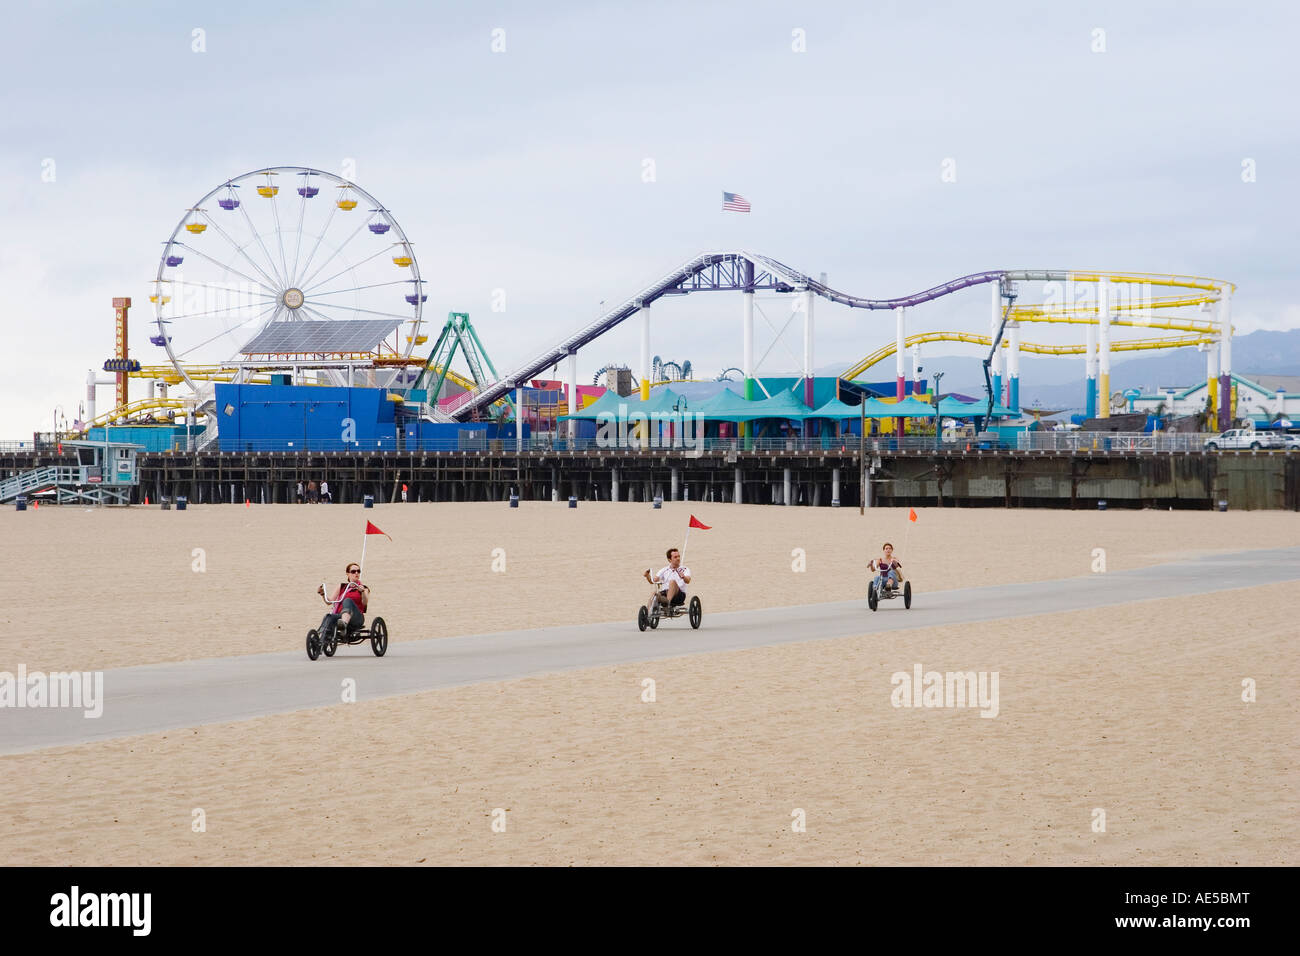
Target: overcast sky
522	169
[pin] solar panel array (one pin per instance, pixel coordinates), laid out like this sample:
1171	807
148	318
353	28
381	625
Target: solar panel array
288	336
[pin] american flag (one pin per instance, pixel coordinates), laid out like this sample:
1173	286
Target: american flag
735	202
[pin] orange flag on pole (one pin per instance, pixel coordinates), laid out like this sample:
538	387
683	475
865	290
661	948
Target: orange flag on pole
371	529
697	523
911	514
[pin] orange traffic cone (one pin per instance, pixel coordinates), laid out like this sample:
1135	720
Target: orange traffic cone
247	504
146	499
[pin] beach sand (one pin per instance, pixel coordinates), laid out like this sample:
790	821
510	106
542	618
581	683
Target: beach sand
113	587
1135	710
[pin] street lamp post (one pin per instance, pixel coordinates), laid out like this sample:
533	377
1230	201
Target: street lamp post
938	417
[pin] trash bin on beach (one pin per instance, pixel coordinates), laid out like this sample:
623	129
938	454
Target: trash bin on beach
514	501
658	502
573	501
368	501
20	503
182	502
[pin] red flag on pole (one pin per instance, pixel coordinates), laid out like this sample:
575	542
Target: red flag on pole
911	514
697	523
371	529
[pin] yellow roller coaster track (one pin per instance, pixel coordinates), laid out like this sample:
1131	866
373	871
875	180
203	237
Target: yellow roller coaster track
132	409
973	338
1151	278
1066	318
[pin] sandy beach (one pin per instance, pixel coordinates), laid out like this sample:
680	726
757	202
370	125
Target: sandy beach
112	587
1134	710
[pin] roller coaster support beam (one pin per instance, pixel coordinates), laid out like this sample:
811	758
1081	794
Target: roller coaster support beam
1225	362
1013	367
573	394
900	350
1103	348
747	299
1212	381
645	351
808	348
1090	372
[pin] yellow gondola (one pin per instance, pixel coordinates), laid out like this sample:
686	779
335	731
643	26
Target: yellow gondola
419	339
164	299
347	205
267	191
196	227
402	261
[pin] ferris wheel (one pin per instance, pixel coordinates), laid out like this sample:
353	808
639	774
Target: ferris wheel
286	264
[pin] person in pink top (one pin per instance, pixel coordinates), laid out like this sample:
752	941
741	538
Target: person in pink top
349	602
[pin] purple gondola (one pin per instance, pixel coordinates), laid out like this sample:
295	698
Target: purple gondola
379	228
308	191
228	204
414	299
174	261
159	340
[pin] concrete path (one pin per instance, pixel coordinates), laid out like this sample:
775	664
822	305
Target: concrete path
153	698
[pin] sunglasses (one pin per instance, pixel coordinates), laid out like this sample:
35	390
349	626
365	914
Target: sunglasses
354	570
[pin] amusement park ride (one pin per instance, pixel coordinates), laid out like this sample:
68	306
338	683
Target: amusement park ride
291	275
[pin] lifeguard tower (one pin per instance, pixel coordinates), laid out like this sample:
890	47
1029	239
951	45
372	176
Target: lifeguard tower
105	473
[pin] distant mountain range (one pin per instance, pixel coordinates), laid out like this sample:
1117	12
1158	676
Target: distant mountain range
1058	382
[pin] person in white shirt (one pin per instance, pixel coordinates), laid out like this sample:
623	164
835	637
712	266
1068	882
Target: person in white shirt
671	580
325	492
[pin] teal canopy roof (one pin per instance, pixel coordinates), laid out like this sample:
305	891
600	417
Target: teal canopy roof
836	410
661	400
954	408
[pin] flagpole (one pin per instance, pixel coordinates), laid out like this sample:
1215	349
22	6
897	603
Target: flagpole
362	564
685	543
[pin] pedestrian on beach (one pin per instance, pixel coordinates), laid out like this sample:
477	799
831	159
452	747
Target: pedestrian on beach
313	495
300	492
325	492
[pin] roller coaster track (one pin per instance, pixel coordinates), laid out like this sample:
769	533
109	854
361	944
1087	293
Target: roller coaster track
974	338
132	409
744	271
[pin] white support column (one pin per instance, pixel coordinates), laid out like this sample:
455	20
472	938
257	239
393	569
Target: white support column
787	500
747	299
572	430
738	496
808	347
1090	371
645	351
1103	348
519	423
1226	411
613	484
835	487
900	355
1013	367
675	482
915	352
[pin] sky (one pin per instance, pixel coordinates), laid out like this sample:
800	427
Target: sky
512	142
